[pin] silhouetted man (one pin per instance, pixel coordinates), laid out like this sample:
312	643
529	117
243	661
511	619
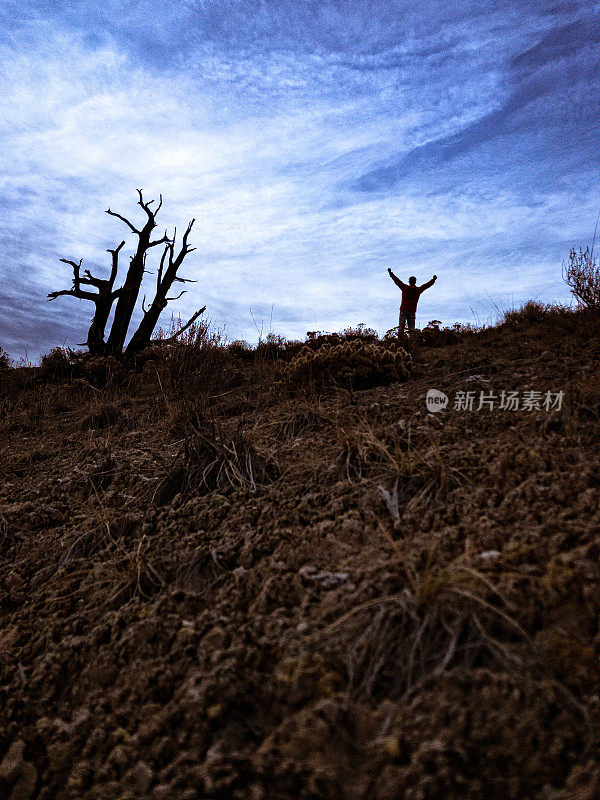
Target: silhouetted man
410	297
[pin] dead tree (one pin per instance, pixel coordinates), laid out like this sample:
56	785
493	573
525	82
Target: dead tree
126	296
164	281
103	299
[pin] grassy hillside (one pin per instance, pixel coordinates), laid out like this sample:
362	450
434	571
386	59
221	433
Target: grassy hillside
271	573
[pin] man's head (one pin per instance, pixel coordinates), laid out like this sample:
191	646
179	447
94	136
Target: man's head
412	280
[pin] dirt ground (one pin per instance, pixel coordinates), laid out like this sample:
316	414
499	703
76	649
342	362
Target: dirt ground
225	591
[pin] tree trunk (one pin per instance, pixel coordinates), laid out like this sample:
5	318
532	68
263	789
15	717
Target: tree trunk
164	282
95	337
131	288
128	298
141	338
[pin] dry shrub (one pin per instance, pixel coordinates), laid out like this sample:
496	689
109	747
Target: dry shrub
126	570
582	275
62	365
101	371
316	339
241	349
584	396
352	364
355	461
110	561
102	540
446	618
197	361
103	415
86	545
184	416
212	458
28	414
5	361
198	569
533	312
301	423
365	452
272	348
420	471
57	365
434	336
427	477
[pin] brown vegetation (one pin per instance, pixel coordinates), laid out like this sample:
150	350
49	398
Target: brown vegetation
214	588
582	275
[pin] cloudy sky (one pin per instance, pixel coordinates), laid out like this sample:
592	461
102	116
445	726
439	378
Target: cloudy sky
316	142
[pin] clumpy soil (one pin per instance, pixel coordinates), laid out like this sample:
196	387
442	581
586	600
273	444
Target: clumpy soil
246	594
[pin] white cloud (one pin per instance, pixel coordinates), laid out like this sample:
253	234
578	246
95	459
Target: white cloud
263	145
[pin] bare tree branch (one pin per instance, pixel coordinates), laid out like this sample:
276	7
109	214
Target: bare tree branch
76	271
190	321
185	237
146	206
102	299
168	299
162	240
74	264
92	281
123	219
175	263
168	248
115	263
81	295
115	249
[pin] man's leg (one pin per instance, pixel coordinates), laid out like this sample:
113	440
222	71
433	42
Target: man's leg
410	318
401	323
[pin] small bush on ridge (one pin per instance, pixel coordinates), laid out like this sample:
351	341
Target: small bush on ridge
4	360
351	364
582	276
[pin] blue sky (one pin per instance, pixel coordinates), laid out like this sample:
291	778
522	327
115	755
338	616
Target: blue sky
315	142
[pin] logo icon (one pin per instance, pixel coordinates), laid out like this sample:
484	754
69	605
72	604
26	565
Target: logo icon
435	400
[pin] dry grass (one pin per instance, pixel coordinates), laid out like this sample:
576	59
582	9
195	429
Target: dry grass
215	458
199	569
584	396
302	423
446	618
534	312
103	415
326	625
416	468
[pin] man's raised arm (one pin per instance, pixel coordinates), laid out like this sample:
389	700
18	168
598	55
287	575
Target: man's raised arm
396	280
428	284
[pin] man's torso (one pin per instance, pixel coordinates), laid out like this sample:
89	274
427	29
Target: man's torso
410	298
